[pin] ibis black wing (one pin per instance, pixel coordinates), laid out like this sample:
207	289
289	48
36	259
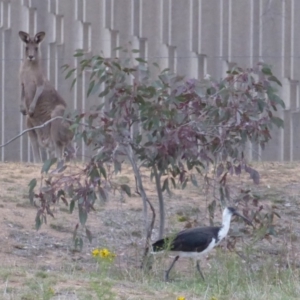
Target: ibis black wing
190	240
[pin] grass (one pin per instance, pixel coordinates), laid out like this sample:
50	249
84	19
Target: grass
227	277
46	267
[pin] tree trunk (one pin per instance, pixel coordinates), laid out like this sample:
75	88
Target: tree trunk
139	184
157	177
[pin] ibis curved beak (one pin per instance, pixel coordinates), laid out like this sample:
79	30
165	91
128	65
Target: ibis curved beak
245	219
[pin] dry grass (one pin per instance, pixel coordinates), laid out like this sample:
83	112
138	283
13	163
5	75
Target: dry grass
44	265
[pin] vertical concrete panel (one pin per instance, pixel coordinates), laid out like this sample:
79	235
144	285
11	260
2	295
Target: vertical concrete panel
255	21
210	43
272	23
10	70
2	92
180	37
164	32
286	41
287	136
151	31
224	35
66	40
295	132
291	131
122	20
295	40
272	34
240	35
224	27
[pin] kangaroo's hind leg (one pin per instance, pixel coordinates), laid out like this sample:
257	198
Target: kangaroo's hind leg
61	135
34	142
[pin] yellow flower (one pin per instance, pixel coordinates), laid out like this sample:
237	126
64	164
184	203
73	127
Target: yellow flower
213	298
104	253
95	252
180	298
51	291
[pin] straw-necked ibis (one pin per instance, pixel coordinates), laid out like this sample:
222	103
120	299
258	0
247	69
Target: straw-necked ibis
195	242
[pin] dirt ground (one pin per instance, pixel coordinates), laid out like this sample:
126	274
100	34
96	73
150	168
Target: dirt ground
118	224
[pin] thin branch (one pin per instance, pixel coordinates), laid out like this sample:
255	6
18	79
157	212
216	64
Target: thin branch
29	129
38	127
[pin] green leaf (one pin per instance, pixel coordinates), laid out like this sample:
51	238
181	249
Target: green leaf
267	71
38	221
89	235
31	197
105	92
32	184
82	215
64	67
103	171
117	48
165	70
261	104
126	189
72	205
222	196
135	50
115	64
155	65
184	184
47	164
91	85
232	72
275	98
73	83
70	73
75	232
165	184
277	121
78	53
275	79
141	60
198	170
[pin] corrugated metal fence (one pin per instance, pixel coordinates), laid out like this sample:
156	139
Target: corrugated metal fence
191	37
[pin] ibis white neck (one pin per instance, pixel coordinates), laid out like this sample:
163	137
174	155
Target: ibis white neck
225	225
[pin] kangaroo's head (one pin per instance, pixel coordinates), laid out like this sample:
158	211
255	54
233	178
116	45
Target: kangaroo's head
32	44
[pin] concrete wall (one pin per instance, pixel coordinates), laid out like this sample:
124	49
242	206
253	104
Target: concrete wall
191	37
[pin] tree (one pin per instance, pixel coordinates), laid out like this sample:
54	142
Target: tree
168	123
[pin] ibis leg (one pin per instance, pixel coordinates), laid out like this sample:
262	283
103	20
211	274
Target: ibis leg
168	271
198	268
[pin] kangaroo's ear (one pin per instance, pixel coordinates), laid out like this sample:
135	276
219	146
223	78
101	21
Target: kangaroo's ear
39	37
24	37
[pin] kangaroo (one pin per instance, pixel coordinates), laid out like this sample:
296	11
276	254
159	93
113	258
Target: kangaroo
40	102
